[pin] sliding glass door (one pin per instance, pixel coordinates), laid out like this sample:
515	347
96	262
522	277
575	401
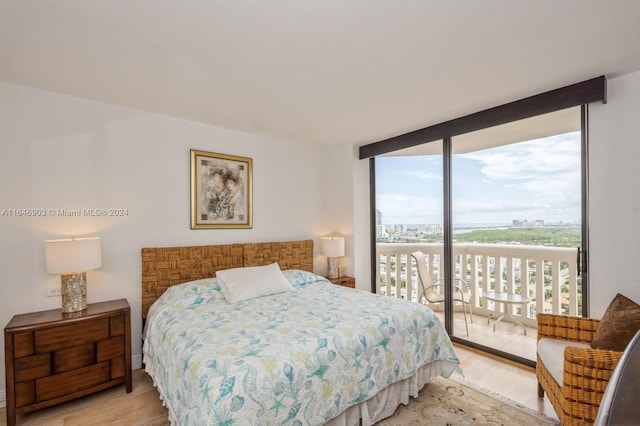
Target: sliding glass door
485	228
516	222
514	217
409	223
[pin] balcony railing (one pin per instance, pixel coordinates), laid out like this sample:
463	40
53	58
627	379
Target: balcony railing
548	275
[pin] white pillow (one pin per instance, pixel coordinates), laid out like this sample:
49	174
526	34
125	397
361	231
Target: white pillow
255	281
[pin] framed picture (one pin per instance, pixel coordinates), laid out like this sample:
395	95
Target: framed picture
221	191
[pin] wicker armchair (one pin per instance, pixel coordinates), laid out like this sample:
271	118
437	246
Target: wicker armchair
585	371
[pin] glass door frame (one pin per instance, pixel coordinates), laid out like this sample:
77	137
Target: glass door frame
579	94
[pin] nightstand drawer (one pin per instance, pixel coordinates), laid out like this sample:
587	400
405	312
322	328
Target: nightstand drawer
23	344
33	367
117	326
72	381
110	348
344	281
25	393
52	339
73	357
118	367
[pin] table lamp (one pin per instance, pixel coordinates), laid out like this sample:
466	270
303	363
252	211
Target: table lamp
71	258
332	247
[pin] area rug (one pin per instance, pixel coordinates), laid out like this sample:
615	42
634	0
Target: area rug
444	402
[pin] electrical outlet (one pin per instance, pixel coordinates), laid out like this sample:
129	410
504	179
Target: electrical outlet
53	291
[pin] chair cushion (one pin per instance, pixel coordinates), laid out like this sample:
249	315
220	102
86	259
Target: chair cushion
551	353
618	325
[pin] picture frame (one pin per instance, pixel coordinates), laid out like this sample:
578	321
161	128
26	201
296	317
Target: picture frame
221	191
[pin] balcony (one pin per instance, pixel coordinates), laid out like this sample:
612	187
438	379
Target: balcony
547	275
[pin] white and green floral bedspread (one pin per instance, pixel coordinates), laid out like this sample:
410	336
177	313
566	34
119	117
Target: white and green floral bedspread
295	358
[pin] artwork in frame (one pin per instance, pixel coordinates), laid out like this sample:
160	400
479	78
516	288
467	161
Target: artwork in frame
221	191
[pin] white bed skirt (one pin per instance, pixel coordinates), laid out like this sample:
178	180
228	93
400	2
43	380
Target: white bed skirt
380	406
385	402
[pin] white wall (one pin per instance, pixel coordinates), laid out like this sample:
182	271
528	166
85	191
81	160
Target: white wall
338	201
60	152
361	222
614	197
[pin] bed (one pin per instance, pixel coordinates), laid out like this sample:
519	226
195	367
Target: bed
313	354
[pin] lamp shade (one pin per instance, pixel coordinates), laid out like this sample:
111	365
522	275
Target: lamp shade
332	246
72	255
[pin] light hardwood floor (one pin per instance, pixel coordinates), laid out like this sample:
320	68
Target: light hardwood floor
503	377
116	407
110	407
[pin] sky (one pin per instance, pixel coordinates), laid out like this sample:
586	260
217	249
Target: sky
537	179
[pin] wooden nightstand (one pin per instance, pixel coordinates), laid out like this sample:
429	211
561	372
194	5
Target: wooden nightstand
344	281
51	357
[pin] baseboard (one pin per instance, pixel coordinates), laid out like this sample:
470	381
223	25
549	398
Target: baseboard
136	364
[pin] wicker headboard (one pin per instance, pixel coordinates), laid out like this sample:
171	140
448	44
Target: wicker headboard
289	254
163	267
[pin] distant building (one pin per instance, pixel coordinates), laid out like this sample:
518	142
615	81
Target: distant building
396	228
517	223
434	229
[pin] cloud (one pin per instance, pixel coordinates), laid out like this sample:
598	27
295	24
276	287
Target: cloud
425	174
552	156
564	186
404	208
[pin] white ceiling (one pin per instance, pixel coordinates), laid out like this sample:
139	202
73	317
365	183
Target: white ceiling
315	71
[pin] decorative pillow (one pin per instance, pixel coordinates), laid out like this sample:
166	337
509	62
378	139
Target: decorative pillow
300	278
255	281
618	325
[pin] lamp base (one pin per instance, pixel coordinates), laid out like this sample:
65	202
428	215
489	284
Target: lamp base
333	267
74	292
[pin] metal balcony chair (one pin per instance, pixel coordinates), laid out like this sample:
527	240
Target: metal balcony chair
433	291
